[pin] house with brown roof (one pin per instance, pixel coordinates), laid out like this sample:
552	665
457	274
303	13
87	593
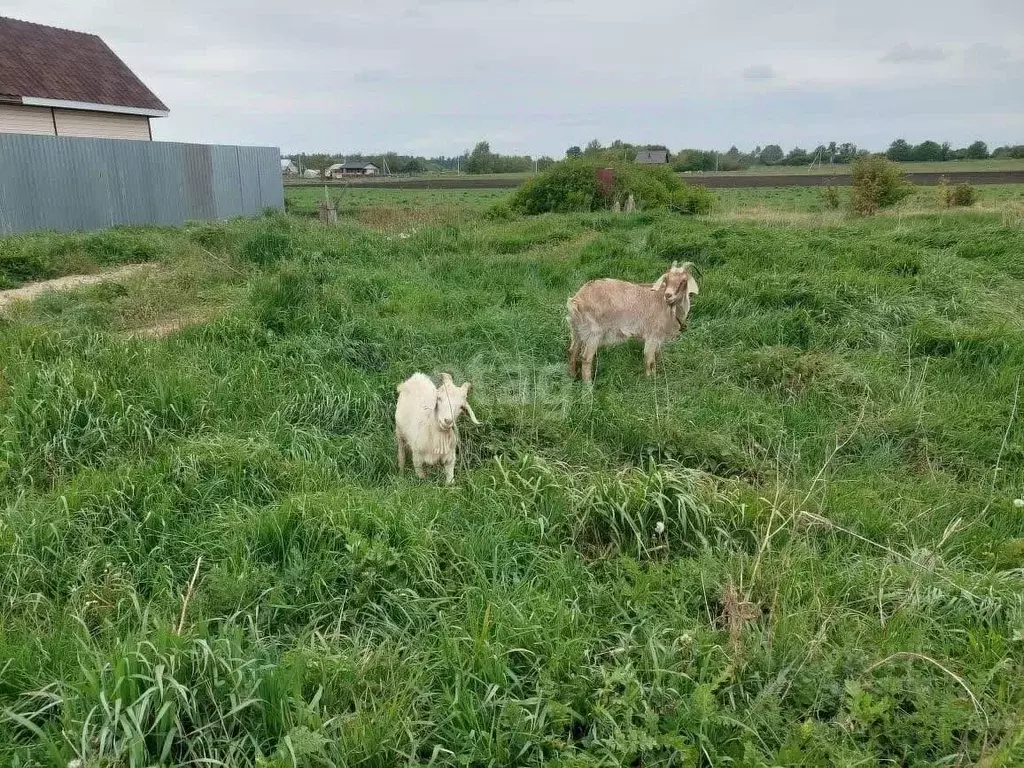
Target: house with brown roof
652	157
338	170
61	83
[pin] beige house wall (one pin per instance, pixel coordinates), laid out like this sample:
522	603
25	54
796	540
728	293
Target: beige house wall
17	118
48	121
101	125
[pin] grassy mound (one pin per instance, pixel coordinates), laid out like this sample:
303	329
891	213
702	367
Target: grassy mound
572	186
27	258
791	547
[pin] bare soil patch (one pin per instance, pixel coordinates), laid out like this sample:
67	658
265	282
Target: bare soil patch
35	290
169	325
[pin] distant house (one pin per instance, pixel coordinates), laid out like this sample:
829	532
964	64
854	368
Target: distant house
55	82
652	157
288	167
339	170
311	173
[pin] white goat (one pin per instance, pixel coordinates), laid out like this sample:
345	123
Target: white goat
606	312
425	422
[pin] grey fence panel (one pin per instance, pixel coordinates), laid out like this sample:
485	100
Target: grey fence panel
227	196
169	198
15	205
127	172
68	184
35	157
121	197
198	177
249	178
271	188
78	186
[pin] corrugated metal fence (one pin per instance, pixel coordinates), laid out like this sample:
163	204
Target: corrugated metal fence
68	184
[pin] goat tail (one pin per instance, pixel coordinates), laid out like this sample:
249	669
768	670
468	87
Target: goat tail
573	315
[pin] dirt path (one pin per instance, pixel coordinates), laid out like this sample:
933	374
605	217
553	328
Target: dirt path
35	290
169	325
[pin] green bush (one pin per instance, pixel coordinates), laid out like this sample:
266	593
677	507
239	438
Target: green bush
211	237
121	246
876	183
564	188
651	188
48	255
693	200
286	302
500	211
961	196
268	246
830	197
19	264
572	186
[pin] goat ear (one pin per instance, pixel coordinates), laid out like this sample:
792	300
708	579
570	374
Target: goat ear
446	378
675	265
691	286
467	387
659	284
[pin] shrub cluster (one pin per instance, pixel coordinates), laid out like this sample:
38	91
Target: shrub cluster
876	183
830	197
573	186
960	196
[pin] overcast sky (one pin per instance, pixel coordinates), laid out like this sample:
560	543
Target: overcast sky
536	76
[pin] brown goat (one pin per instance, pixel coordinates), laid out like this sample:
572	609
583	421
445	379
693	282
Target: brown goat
606	312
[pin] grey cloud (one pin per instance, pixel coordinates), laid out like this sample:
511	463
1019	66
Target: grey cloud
759	72
374	76
904	53
538	76
987	55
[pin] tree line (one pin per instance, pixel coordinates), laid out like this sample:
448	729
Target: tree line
710	160
833	153
479	160
482	160
902	151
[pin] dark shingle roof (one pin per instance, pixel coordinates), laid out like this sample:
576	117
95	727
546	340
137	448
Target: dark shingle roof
50	63
653	156
350	166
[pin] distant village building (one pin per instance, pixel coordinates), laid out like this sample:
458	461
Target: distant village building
339	170
311	173
288	167
652	157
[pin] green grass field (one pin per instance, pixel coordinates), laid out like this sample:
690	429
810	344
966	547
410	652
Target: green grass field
953	166
373	206
811	199
207	556
303	201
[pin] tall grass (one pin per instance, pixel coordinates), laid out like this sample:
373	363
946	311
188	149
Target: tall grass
795	546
